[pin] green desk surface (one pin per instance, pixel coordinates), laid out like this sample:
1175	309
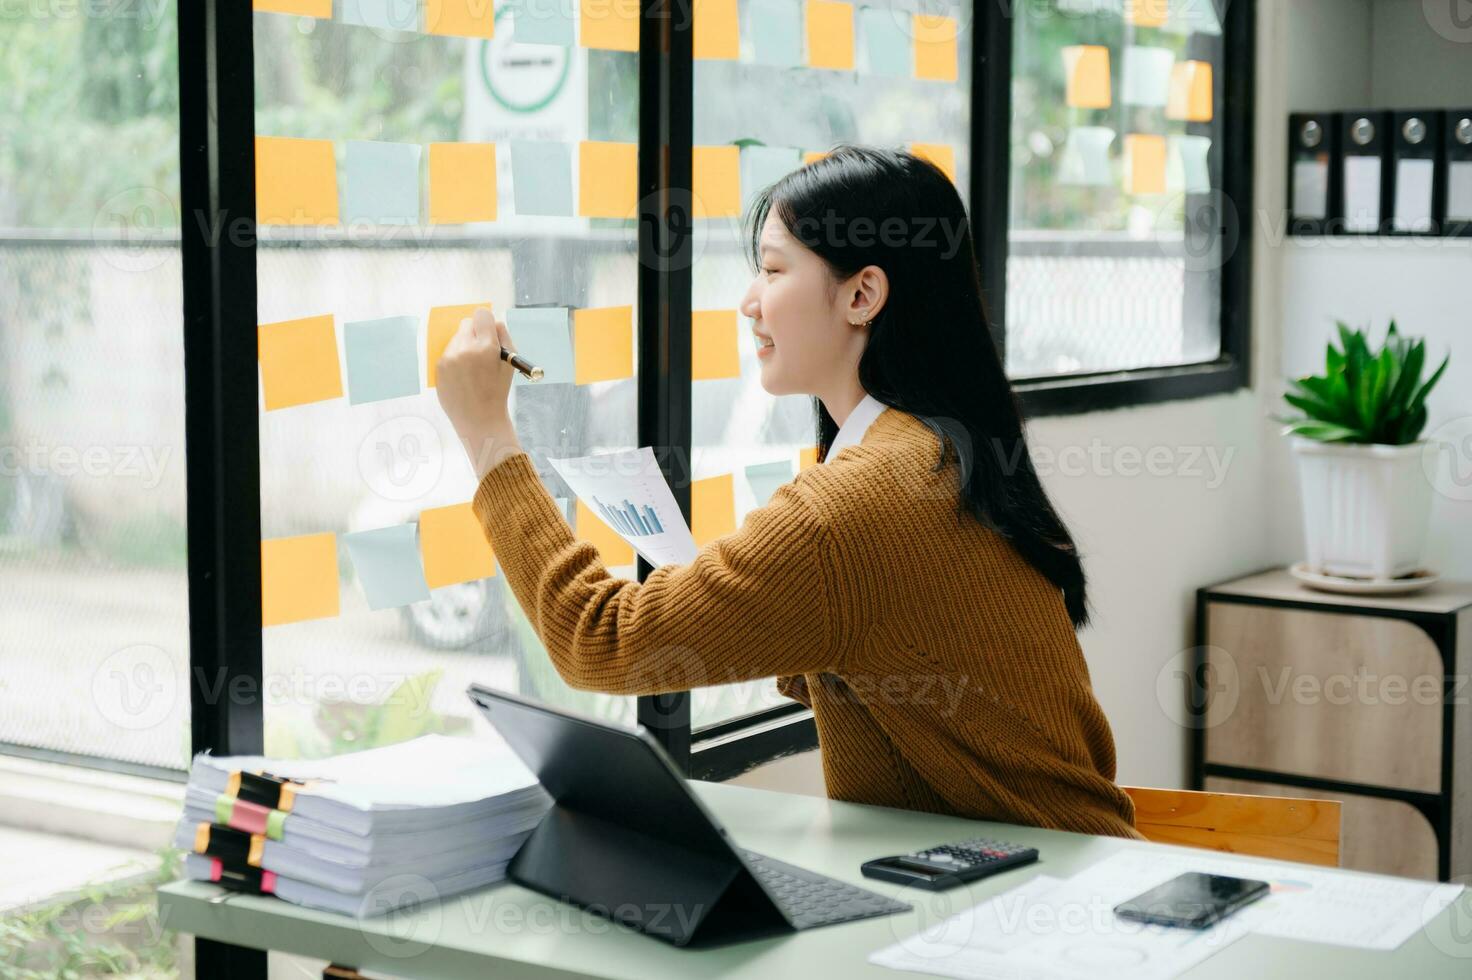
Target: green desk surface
505	931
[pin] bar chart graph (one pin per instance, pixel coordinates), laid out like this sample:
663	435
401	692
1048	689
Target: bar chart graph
630	519
627	491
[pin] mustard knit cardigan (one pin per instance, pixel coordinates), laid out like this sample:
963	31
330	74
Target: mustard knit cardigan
942	669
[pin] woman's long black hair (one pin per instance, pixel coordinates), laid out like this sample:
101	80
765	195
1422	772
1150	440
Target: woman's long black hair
930	351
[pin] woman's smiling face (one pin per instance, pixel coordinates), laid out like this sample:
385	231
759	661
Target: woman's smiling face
802	319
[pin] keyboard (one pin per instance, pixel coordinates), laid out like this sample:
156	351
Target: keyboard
809	899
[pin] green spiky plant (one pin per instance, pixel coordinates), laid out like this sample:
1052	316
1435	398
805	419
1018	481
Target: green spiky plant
1364	396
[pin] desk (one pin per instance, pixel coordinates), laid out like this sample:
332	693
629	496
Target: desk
507	932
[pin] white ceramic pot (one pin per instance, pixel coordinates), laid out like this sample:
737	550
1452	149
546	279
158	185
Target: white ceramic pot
1364	507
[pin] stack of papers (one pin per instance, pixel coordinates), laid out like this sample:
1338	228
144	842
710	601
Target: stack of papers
1066	928
364	833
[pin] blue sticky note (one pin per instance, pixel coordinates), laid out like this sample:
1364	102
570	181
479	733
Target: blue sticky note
776	32
541	336
887	41
389	15
386	560
765	478
542	22
383	358
762	166
541	177
381	183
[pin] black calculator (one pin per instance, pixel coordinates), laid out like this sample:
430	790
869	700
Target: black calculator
948	865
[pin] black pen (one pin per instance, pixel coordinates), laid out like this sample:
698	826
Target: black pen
521	364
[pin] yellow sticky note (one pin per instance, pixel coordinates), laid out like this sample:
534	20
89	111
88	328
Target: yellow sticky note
713	350
462	182
716	35
1190	92
460	18
712	508
1144	163
940	154
608	180
935	47
304	8
830	34
299	361
614	550
453	546
807	457
812	155
1146	13
716	181
603	344
296	182
298	579
1086	69
443	322
612	25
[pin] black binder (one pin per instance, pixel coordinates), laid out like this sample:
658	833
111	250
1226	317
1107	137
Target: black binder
1412	197
1455	183
1364	173
1313	178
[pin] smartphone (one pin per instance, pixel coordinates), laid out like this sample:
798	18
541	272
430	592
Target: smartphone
1192	900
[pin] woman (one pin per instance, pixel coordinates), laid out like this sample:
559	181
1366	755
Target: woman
916	589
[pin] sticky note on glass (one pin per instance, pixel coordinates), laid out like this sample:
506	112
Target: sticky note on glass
608	179
716	181
1148	13
935	47
298	579
940	154
1189	167
716	34
462	183
388	15
542	22
1190	92
887	46
1144	164
612	548
776	32
1186	17
830	27
713	350
460	18
444	321
540	335
765	478
807	457
299	362
541	178
610	25
1147	76
381	183
1085	158
382	358
712	508
1086	70
386	561
296	182
454	547
603	344
302	8
812	156
762	166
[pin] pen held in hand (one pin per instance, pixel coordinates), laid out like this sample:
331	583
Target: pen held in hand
521	364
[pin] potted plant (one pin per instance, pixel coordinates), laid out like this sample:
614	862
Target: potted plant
1365	499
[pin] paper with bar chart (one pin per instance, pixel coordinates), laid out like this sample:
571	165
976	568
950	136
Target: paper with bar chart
628	492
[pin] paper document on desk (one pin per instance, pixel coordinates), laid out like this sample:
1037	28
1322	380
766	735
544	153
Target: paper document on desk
1053	928
628	492
1309	903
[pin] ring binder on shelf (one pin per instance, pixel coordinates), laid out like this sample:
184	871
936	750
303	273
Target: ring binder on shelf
1364	177
1313	192
1456	174
1415	139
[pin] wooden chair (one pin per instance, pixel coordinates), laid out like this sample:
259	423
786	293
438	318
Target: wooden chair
1280	827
